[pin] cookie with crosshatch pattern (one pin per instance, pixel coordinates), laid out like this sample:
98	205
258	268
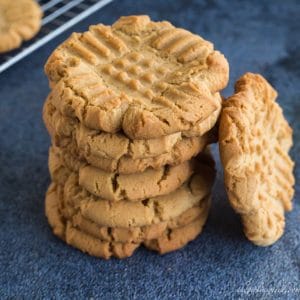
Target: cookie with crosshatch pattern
149	79
19	21
254	140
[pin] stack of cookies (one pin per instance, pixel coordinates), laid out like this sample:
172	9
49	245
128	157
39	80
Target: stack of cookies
131	111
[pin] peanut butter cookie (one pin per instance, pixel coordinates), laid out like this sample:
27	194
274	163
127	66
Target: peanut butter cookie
19	21
254	140
149	79
116	152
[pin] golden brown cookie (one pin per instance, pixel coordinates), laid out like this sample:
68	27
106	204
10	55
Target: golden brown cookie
119	234
78	239
19	21
139	234
174	239
141	213
137	186
115	152
170	239
96	247
146	78
117	187
135	214
254	140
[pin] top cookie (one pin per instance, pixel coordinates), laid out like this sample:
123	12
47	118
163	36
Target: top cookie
254	142
19	20
146	78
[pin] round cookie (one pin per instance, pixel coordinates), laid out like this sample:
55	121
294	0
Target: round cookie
19	21
170	239
123	234
78	239
117	153
139	234
96	247
136	186
174	239
117	187
254	140
146	78
141	213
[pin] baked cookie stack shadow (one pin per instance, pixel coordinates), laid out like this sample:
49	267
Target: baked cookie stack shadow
131	112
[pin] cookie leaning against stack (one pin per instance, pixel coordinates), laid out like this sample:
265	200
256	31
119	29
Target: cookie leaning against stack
254	140
130	106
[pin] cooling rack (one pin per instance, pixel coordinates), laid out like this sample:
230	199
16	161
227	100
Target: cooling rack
59	15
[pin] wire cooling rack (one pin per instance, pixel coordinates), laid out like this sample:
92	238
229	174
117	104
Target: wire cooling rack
59	15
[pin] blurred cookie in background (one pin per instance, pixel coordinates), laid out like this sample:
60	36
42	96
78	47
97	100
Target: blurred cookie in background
19	21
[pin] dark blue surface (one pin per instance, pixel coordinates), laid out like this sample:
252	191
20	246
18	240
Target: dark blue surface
256	36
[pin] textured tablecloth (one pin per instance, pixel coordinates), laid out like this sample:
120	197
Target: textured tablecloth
256	36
